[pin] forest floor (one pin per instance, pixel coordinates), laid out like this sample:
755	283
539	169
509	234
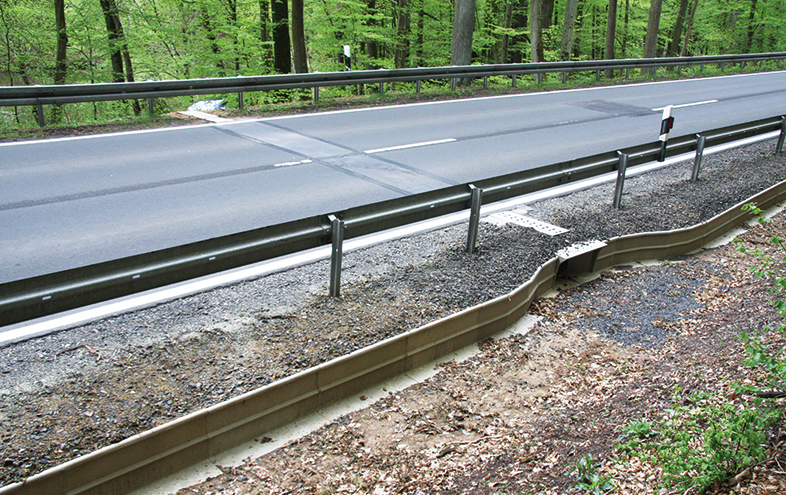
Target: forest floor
517	416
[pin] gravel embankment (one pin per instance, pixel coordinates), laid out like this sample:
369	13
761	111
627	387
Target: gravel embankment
70	393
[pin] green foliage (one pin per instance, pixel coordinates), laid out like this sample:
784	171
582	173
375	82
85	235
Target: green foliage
703	440
589	479
707	439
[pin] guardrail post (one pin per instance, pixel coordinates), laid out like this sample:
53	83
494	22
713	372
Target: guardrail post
540	78
779	146
39	111
151	103
623	164
564	76
316	94
513	81
381	88
723	66
417	86
627	73
240	101
337	241
597	75
700	140
485	82
474	217
453	84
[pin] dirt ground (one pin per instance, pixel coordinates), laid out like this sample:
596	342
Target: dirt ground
517	416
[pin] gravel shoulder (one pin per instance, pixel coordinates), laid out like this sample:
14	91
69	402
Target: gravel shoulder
70	393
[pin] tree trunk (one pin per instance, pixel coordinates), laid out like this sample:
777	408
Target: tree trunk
536	30
503	58
401	54
547	14
688	29
568	29
372	48
62	42
625	29
676	35
651	40
299	57
463	28
123	46
611	33
114	44
751	27
281	59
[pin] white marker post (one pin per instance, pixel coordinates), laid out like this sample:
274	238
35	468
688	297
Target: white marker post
347	58
665	126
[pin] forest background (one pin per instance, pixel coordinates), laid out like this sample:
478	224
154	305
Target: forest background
90	41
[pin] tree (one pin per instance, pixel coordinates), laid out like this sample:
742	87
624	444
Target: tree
676	36
402	34
463	29
281	58
689	27
568	29
611	31
651	40
536	30
298	38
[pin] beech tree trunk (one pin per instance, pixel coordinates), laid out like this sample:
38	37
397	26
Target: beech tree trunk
611	32
651	39
114	44
676	35
536	30
463	29
299	57
401	53
282	61
568	30
688	29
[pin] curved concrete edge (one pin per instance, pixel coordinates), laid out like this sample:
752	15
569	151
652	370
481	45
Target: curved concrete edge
147	457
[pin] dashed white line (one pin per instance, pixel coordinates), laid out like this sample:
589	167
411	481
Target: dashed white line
686	105
290	164
413	145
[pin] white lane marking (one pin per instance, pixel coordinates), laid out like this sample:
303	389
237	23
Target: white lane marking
289	164
686	105
81	316
413	145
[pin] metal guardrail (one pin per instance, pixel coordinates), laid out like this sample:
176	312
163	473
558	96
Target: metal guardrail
77	93
30	298
207	434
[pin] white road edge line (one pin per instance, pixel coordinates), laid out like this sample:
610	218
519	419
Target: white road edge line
82	316
686	105
413	145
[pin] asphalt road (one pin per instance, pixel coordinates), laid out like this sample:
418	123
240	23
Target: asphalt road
76	201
